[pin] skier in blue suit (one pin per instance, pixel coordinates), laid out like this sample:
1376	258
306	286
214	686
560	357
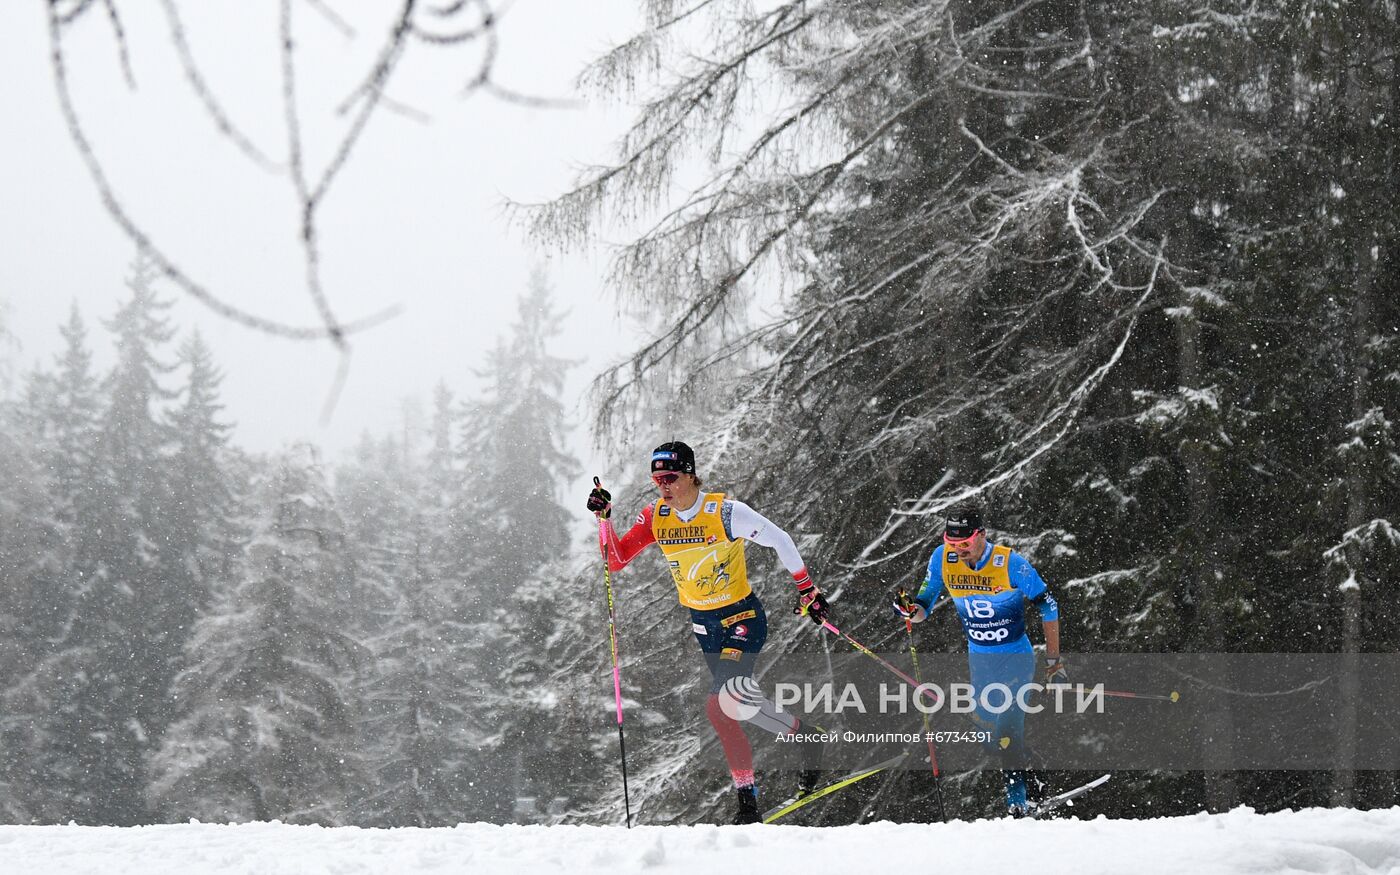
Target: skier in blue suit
989	585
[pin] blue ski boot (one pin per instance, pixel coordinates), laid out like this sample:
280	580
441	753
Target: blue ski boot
1016	803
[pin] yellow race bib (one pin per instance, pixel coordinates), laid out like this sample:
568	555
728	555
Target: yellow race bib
991	579
707	566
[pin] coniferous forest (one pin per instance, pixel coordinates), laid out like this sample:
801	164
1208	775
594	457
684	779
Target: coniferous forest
194	631
1126	275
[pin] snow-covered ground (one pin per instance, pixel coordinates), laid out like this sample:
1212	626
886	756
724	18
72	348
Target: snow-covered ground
1313	841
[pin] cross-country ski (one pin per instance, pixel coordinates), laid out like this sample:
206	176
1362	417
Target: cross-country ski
795	803
1050	804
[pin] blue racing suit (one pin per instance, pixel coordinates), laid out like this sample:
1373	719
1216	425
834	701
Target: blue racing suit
990	599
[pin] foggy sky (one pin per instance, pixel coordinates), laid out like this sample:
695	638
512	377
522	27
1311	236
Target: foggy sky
414	220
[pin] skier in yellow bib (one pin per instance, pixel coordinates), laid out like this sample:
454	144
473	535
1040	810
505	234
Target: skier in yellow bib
990	586
702	535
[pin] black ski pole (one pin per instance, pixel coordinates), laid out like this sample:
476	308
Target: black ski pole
1174	696
617	673
928	733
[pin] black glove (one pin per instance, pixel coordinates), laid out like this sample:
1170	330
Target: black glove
600	500
903	605
811	602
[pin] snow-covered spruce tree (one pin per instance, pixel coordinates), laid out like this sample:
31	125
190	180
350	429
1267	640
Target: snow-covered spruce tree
1041	255
58	415
269	721
421	728
375	494
32	561
511	448
448	515
512	445
416	722
201	506
100	697
54	427
67	415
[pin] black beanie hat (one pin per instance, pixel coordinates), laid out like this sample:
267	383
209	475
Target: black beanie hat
673	456
963	522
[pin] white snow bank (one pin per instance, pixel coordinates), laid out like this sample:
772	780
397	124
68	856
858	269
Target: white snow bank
1312	841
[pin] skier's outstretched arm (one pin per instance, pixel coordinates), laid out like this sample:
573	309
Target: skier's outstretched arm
619	551
742	521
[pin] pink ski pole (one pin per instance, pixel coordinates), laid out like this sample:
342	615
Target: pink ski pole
617	672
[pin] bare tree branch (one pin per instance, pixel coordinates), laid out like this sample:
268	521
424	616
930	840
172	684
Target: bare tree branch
206	96
144	241
335	19
310	187
120	34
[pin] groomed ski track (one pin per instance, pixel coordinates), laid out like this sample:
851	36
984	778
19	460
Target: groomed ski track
1312	841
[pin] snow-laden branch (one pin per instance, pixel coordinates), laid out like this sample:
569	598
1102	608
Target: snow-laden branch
1066	414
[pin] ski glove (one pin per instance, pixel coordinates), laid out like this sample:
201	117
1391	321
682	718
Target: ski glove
600	502
906	607
1055	672
810	601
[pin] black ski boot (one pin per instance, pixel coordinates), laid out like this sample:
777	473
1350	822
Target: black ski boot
811	773
747	812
